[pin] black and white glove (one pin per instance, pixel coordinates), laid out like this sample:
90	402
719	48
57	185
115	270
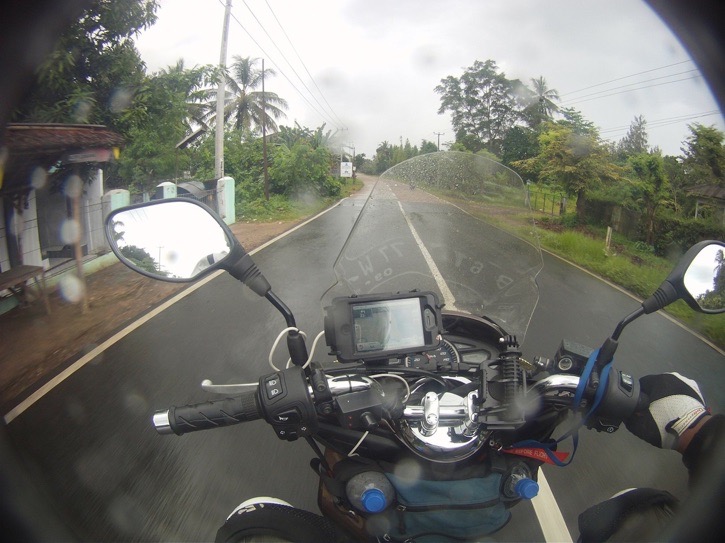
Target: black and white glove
676	404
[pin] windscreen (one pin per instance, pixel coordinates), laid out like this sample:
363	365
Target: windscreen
457	224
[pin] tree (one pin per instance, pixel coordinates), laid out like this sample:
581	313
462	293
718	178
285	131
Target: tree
162	115
289	136
95	70
578	124
651	188
519	143
541	107
427	147
243	103
635	142
482	103
303	170
704	156
675	172
578	162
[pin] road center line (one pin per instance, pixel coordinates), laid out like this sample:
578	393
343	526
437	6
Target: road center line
78	364
547	510
448	297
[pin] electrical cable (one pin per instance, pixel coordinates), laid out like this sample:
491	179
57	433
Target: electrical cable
628	85
275	65
303	63
576	101
624	77
276	342
352	451
407	386
283	55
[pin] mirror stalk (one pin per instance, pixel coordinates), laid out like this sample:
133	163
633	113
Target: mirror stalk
295	340
242	267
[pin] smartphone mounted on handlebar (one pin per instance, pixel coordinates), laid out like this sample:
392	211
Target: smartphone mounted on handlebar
382	326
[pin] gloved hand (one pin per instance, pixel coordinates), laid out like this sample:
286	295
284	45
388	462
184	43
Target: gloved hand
676	404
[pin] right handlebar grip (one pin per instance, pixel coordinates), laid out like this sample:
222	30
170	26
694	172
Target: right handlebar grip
208	415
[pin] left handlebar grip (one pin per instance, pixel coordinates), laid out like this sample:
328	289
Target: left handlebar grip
208	415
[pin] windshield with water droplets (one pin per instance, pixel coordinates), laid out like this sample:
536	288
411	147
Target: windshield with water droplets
454	223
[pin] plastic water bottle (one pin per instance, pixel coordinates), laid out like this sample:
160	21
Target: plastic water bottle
519	483
370	492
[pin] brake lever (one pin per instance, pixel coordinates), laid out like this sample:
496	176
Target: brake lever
208	386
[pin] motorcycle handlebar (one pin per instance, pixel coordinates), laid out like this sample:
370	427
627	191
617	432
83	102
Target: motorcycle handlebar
208	415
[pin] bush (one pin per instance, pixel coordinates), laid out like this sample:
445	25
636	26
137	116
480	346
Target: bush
674	235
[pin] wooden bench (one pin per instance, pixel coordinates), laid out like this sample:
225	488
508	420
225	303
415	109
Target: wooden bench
15	281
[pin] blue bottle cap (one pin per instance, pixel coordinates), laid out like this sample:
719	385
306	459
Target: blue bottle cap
373	500
527	488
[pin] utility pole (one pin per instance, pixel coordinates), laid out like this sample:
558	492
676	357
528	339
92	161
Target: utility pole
439	134
220	95
264	138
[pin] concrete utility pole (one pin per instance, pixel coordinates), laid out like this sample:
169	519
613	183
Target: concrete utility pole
264	138
439	134
220	94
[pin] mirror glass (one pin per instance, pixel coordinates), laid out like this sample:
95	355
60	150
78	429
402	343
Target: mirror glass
169	240
705	278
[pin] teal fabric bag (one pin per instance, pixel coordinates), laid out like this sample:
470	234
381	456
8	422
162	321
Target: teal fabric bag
436	511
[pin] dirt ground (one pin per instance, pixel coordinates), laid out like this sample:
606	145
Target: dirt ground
35	346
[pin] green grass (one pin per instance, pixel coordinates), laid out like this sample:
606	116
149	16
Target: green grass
283	208
631	268
629	265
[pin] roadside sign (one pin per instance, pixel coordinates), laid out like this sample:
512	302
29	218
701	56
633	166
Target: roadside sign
345	169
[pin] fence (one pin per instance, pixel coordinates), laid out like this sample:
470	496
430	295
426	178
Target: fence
551	203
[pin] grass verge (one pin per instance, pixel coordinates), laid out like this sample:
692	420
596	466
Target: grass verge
283	208
630	267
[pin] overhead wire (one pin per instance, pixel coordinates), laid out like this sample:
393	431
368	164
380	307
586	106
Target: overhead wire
303	63
629	85
663	122
624	77
577	101
271	39
234	17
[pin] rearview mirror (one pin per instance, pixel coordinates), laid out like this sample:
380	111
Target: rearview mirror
698	279
704	279
175	240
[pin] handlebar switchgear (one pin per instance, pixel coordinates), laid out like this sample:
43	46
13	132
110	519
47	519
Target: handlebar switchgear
286	402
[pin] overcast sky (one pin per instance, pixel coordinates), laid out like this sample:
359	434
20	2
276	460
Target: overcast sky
378	61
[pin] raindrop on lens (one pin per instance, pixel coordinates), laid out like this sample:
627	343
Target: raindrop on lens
71	288
70	232
73	186
38	178
120	100
82	111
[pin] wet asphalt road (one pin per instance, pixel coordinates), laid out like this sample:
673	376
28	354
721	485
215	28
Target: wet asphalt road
91	444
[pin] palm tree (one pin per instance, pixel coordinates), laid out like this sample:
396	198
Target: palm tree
190	82
542	106
243	103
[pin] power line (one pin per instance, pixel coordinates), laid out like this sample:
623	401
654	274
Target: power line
275	65
283	56
630	90
630	84
303	63
626	77
665	121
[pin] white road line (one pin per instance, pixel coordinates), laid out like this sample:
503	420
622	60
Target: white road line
448	297
547	510
78	364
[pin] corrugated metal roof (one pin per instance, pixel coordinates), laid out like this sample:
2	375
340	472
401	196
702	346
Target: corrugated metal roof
707	191
33	145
